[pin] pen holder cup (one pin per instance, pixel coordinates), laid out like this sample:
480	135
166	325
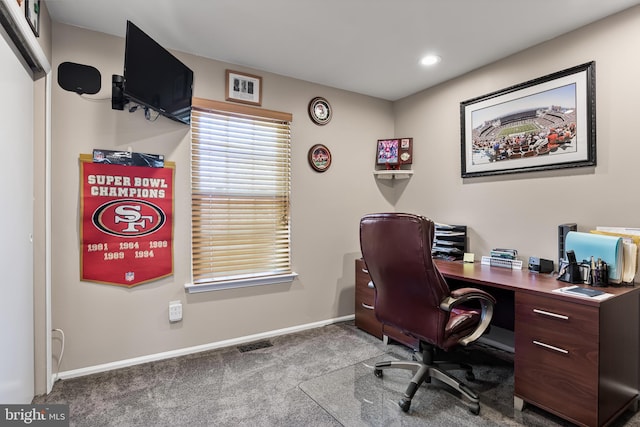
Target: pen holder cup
599	277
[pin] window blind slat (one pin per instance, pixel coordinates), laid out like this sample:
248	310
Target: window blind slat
241	184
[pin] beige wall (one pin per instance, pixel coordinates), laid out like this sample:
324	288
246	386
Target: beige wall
105	323
523	211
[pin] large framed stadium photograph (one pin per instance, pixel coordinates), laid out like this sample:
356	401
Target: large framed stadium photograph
545	123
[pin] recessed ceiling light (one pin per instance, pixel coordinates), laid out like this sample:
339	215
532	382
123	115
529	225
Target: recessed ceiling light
430	60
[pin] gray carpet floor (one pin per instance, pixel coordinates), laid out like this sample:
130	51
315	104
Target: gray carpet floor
319	377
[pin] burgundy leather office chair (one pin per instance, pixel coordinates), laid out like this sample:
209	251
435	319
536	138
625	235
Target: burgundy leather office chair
412	295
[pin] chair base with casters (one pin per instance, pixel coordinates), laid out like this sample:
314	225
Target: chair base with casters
428	368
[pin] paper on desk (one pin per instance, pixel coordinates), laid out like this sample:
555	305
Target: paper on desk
449	233
620	230
630	251
447	249
564	290
630	242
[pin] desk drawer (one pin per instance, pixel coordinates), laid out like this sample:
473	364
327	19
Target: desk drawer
569	326
556	356
570	317
365	317
366	320
364	294
362	276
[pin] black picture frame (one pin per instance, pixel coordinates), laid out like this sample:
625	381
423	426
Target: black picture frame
32	13
545	123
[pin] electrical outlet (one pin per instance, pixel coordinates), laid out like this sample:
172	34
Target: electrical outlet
175	311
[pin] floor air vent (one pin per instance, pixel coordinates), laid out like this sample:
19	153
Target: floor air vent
254	346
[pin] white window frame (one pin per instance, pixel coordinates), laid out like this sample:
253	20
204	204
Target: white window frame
240	176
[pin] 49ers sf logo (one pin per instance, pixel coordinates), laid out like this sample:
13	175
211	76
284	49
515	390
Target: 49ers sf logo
128	218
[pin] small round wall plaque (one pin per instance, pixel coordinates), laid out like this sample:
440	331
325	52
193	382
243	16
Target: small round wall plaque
319	157
320	110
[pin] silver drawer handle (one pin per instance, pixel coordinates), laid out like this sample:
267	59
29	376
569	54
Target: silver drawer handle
550	347
371	285
367	306
547	313
365	271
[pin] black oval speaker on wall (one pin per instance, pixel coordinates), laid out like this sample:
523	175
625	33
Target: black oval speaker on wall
78	78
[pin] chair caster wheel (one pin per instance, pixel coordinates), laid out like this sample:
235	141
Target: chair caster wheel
377	373
405	405
470	376
474	408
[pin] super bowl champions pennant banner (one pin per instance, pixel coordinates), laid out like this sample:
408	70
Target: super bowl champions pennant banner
127	223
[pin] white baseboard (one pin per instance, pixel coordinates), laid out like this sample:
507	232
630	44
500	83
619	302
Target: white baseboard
195	349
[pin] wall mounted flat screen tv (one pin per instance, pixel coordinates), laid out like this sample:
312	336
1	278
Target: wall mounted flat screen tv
154	78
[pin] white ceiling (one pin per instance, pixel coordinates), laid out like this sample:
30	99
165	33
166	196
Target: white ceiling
371	47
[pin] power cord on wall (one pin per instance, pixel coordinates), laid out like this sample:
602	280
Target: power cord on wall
61	332
147	112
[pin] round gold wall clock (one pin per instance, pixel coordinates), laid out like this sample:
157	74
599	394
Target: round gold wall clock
320	110
319	157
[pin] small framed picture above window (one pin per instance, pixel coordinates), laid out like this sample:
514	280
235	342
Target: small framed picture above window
243	88
32	13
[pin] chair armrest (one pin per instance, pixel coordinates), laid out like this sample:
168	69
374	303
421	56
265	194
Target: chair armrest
459	296
463	295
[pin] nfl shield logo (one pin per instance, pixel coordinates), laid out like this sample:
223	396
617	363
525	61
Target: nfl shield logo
129	276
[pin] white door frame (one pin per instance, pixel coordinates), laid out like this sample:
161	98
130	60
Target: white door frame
29	43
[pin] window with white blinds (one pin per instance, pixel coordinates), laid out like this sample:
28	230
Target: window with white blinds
240	190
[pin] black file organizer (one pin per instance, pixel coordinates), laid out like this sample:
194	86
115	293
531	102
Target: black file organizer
449	242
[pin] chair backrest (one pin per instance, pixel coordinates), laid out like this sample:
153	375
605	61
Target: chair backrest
409	288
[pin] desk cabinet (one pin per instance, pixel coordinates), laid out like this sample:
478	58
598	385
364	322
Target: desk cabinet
365	316
571	358
575	357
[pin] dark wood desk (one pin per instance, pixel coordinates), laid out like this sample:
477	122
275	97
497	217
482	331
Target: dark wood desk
574	357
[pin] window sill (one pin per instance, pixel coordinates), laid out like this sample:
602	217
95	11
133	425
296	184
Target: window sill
190	288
